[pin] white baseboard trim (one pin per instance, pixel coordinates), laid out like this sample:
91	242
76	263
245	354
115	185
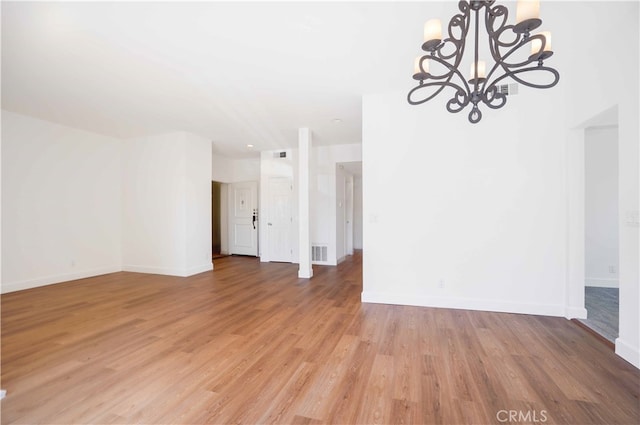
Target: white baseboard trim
50	280
601	283
167	271
463	303
628	352
575	313
200	269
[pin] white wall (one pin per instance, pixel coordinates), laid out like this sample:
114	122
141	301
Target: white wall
221	169
61	203
228	170
167	205
476	209
484	216
197	200
601	207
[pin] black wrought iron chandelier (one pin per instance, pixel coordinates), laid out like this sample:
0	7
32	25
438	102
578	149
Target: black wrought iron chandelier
439	67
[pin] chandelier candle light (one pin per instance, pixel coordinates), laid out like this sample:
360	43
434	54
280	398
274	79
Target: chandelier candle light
445	56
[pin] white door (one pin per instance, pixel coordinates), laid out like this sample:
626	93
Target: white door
280	219
243	218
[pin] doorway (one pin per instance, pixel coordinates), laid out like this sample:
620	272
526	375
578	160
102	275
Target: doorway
601	230
348	208
219	219
216	219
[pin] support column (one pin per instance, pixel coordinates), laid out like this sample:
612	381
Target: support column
304	242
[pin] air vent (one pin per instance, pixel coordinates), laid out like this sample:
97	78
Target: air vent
508	89
282	154
319	253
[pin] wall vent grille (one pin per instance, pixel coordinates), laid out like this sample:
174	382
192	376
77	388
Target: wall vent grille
319	253
508	89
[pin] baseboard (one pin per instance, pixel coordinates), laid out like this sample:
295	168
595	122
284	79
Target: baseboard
628	352
199	269
463	303
51	280
167	271
575	313
601	283
323	263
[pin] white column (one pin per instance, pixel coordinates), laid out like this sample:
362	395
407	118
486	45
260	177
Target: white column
304	238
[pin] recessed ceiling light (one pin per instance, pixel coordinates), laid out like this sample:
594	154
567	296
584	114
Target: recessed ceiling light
337	120
249	146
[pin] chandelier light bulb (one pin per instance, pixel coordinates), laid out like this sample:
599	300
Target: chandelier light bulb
417	72
536	43
432	34
482	70
527	9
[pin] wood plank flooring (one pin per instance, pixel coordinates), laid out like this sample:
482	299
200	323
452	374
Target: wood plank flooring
250	343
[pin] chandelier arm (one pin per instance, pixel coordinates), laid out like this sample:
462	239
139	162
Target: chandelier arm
532	58
499	61
494	42
453	70
490	18
512	74
494	39
441	84
461	99
458	44
461	21
520	41
495	53
492	95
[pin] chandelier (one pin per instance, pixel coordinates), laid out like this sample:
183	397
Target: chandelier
439	68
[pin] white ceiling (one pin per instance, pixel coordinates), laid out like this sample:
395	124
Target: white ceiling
236	73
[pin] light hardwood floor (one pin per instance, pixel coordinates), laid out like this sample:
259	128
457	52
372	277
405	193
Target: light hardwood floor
251	343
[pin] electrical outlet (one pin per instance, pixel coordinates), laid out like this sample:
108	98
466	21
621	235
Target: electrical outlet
441	283
612	269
